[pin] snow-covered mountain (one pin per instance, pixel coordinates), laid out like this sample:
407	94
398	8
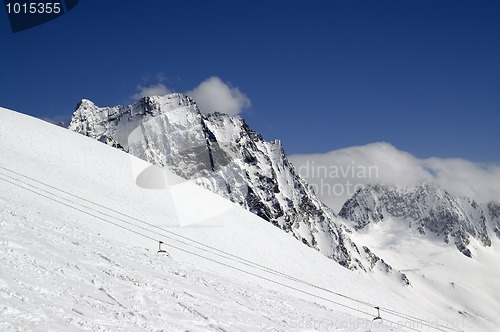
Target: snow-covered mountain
222	154
427	208
79	236
78	242
419	230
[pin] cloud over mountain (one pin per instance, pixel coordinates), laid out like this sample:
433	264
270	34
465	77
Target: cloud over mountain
158	89
211	95
215	95
336	175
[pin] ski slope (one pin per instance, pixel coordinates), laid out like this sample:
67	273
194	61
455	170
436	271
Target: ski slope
439	271
80	225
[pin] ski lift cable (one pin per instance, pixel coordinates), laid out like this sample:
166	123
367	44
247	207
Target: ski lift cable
418	321
252	264
270	270
240	260
188	244
288	286
80	210
187	251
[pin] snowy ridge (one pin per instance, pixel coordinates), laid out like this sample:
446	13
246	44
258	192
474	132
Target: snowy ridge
222	154
427	208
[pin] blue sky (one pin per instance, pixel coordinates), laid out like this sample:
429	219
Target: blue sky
320	75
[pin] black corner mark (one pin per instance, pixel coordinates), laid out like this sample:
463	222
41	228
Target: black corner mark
26	14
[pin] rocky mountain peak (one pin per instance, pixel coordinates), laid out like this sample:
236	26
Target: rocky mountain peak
426	207
224	155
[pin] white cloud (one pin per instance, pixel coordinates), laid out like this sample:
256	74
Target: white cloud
151	90
211	95
215	95
337	174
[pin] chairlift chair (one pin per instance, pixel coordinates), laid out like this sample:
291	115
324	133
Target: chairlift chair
378	314
160	250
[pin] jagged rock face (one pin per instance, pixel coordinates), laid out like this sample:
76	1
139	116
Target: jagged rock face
223	154
377	261
494	214
426	207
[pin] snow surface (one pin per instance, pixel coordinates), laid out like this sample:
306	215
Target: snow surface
440	273
72	209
